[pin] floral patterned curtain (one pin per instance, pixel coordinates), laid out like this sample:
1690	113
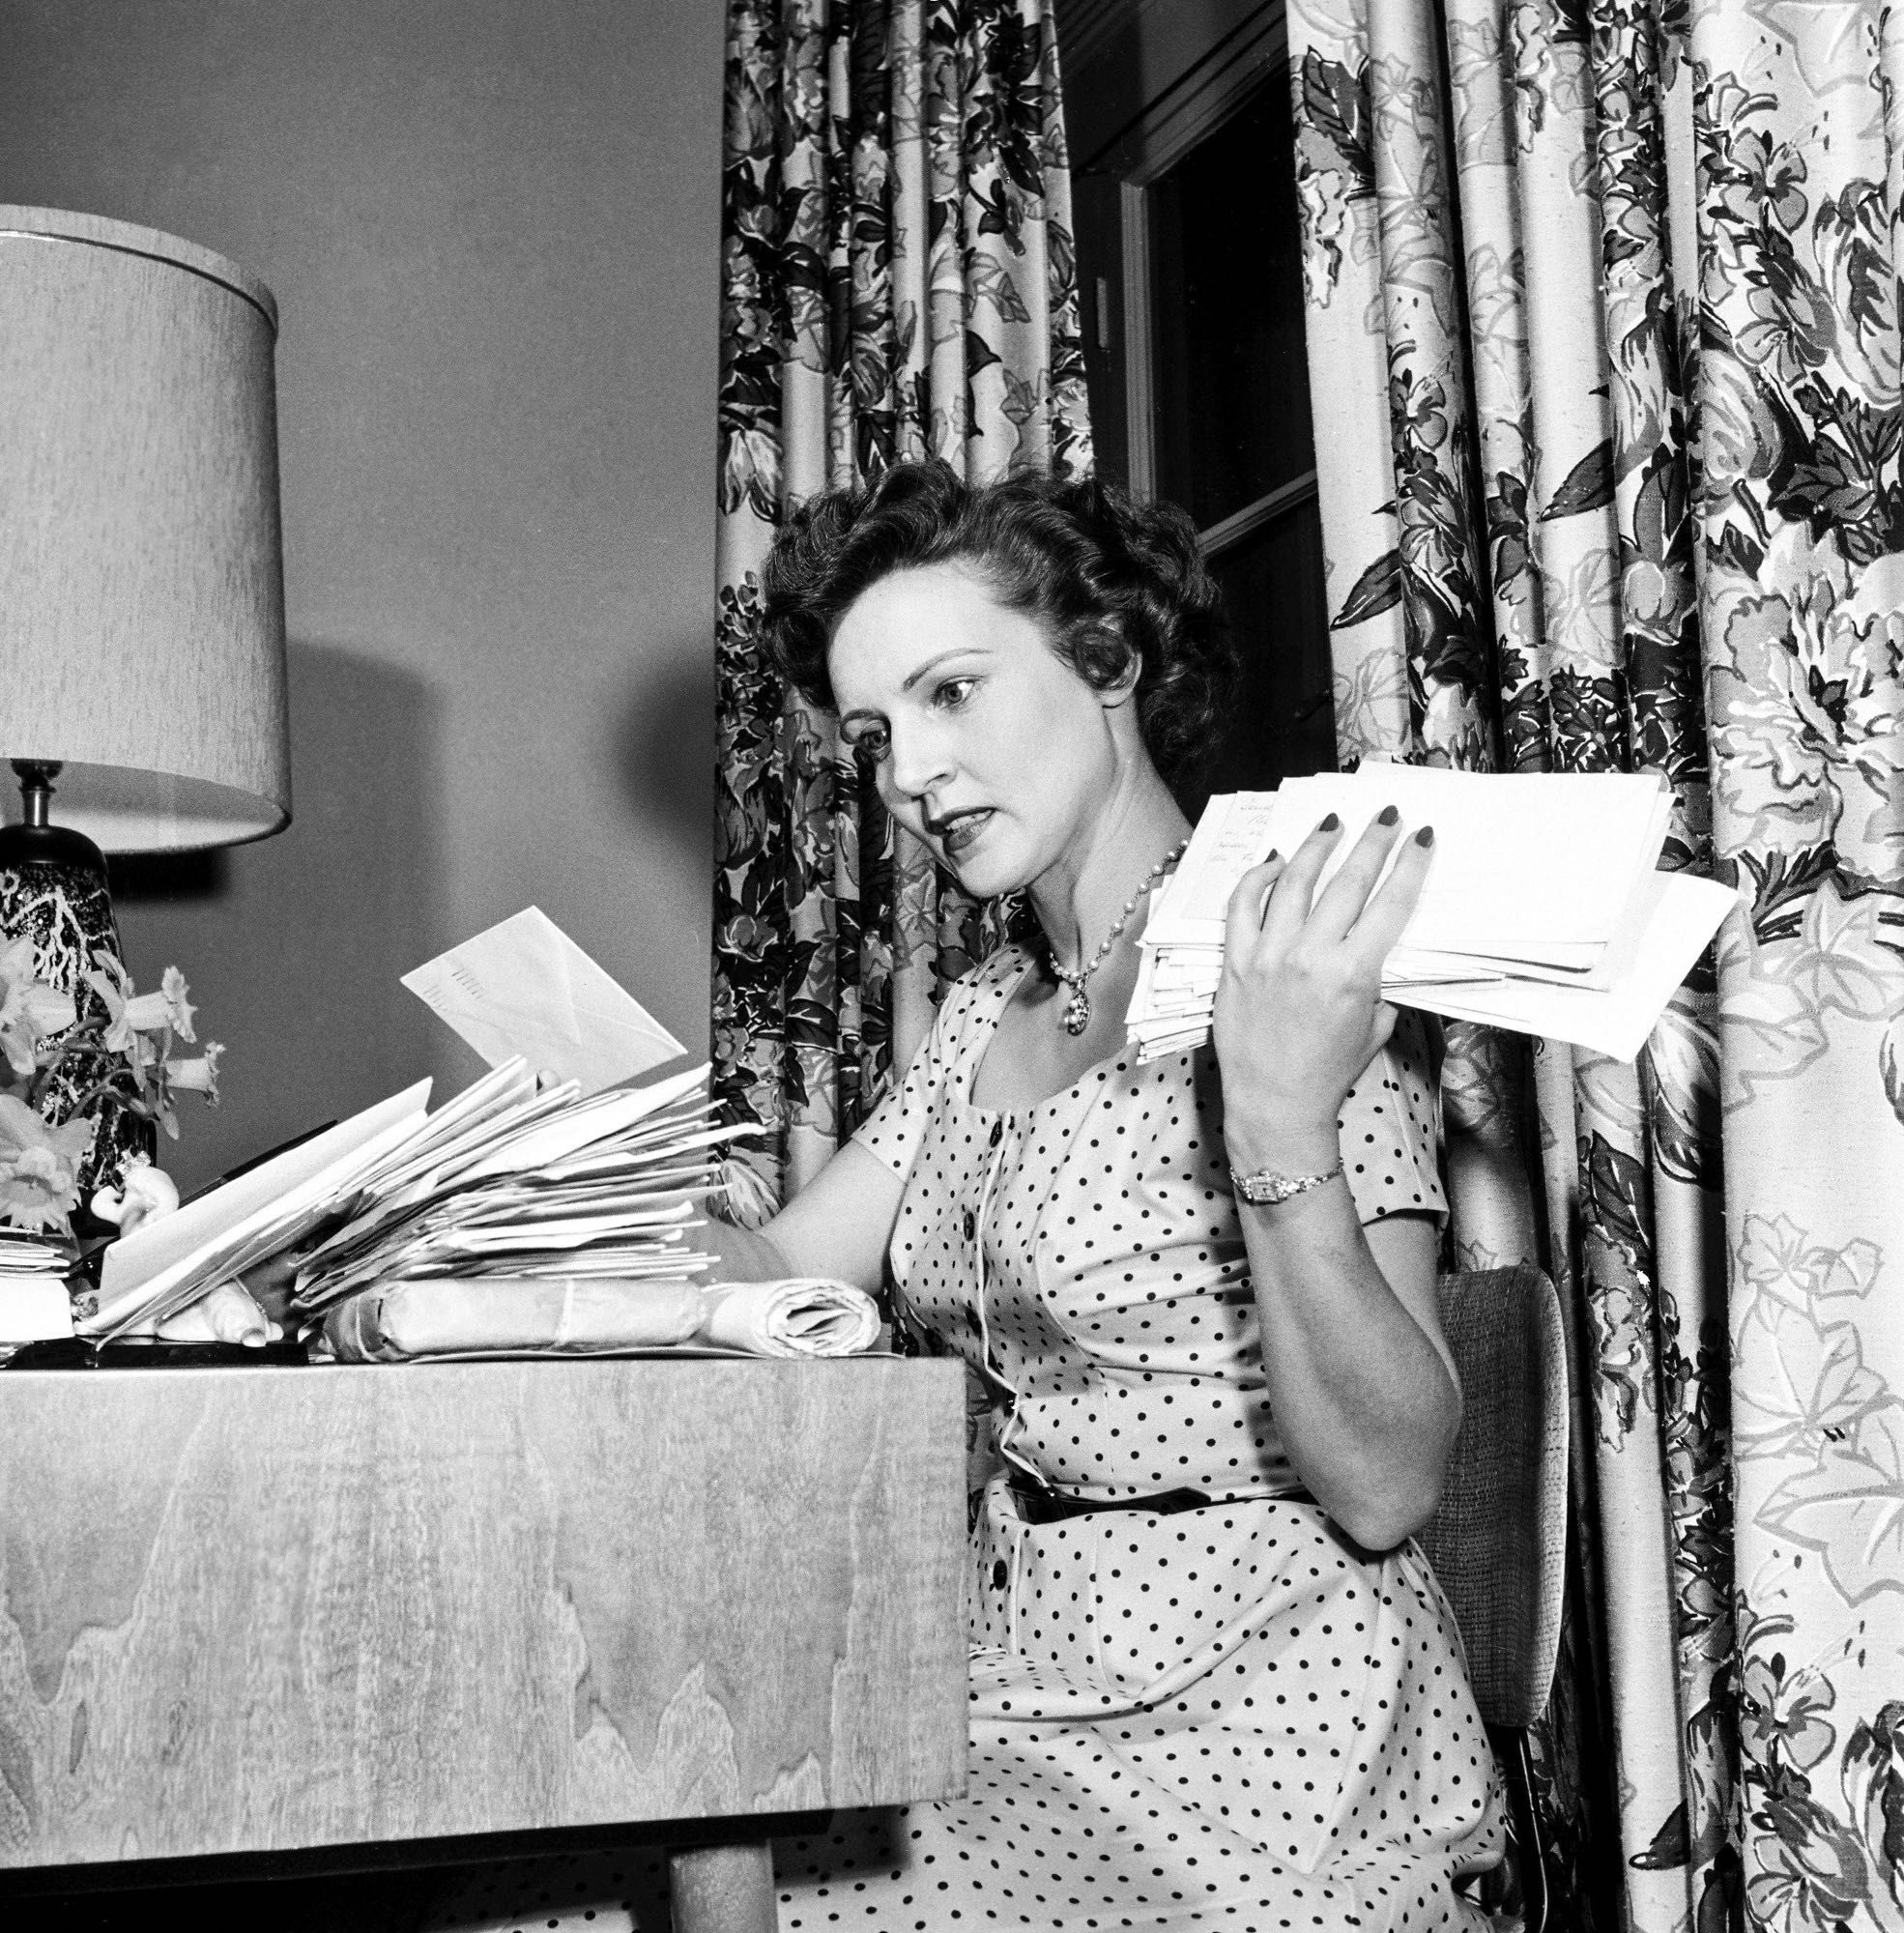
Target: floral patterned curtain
897	283
1603	296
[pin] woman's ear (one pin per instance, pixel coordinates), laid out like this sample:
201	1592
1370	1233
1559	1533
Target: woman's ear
1122	687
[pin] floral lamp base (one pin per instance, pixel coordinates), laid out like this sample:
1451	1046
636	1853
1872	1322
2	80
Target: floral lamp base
86	1073
61	906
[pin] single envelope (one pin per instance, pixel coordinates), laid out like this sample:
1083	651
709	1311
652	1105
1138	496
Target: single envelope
525	987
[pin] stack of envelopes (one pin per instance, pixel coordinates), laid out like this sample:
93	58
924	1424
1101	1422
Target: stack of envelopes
503	1180
1544	910
531	1185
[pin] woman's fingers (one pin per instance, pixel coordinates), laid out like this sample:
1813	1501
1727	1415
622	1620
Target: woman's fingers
225	1314
1244	918
1289	904
1386	1017
1388	910
1279	902
1341	904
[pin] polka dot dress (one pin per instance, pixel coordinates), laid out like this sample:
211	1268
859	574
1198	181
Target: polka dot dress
1220	1717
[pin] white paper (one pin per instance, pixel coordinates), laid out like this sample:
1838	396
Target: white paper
549	1182
1536	866
173	1262
1678	913
1676	916
1542	910
577	1128
795	1318
34	1309
525	987
495	1097
174	1246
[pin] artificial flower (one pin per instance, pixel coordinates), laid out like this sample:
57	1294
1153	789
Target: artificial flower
108	979
130	1012
29	1009
119	1058
38	1165
200	1075
123	1033
153	1013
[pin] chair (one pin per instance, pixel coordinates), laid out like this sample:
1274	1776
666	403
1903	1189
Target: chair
1498	1537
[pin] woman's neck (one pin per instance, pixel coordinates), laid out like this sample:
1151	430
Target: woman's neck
1082	897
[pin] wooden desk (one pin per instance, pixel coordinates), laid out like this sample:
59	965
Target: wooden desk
251	1611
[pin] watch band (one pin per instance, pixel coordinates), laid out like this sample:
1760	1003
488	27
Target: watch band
1265	1188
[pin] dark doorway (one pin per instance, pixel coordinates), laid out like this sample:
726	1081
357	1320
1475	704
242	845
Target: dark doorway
1190	267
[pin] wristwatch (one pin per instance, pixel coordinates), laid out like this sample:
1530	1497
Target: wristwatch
1265	1188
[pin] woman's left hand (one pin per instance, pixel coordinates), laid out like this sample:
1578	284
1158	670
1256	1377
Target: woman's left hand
225	1314
1299	1012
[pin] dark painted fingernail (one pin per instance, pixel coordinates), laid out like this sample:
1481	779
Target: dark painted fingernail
1425	836
1388	814
1272	853
1329	824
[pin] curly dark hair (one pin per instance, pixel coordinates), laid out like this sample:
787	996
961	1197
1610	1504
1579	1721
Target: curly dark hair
1105	576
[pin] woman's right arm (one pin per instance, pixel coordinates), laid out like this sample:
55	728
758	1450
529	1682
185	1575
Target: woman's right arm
838	1225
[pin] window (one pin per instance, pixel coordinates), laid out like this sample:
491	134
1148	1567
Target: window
1190	267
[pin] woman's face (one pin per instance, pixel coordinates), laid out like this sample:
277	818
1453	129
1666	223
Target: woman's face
986	743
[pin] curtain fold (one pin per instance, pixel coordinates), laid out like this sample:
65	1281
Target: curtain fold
898	281
1626	272
1603	297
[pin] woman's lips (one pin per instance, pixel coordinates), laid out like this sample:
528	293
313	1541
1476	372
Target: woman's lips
958	831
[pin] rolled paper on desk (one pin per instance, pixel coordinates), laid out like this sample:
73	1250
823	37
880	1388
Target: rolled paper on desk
801	1317
545	1316
439	1317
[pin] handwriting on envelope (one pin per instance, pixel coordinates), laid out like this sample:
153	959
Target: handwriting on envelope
525	987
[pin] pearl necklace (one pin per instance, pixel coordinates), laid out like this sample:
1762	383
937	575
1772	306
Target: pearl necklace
1077	1015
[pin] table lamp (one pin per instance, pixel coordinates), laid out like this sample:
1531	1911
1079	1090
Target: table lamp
142	688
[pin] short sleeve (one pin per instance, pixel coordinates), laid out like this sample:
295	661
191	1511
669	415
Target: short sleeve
1388	1130
895	1129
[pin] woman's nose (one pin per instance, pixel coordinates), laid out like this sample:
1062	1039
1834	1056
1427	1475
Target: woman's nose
916	762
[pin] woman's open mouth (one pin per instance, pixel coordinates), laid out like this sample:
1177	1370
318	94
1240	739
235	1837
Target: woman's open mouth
957	832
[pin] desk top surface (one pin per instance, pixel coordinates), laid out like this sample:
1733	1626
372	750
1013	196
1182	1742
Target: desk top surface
252	1610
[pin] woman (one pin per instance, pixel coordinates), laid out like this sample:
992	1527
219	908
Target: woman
1212	1680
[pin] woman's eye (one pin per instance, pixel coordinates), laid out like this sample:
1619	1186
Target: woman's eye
870	747
954	692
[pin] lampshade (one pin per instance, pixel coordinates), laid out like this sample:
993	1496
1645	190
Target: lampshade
141	573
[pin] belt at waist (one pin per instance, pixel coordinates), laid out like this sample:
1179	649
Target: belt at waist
1038	1505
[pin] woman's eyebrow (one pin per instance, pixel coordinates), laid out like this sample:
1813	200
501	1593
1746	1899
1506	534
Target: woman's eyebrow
956	651
913	678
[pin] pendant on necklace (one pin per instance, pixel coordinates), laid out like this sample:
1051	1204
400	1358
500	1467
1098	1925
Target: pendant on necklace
1078	1008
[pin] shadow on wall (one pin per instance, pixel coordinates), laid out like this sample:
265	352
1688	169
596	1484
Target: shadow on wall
293	947
666	772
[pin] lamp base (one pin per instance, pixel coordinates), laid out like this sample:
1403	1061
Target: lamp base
54	890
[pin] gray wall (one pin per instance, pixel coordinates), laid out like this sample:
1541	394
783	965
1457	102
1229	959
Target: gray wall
492	229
